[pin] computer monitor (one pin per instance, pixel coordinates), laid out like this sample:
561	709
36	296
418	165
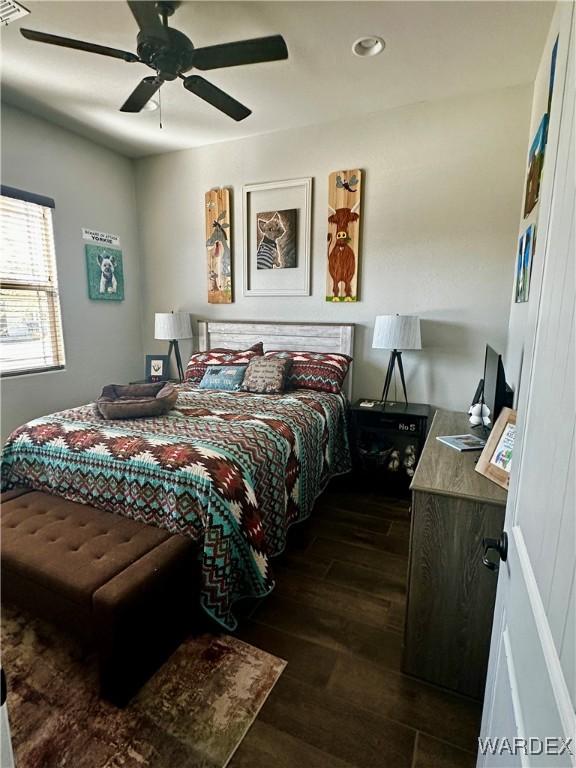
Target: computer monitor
496	394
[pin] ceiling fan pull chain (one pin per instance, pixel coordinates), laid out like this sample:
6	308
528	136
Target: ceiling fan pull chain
160	105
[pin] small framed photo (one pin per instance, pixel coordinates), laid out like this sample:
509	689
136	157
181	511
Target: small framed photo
535	165
526	246
495	461
157	367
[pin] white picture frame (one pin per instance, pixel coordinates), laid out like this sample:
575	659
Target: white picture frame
268	196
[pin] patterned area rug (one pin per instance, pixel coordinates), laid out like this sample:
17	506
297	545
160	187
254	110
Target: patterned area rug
193	713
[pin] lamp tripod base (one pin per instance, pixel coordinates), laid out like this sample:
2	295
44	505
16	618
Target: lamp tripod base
174	346
395	357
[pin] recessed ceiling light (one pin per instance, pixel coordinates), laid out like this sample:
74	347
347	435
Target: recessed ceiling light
150	106
368	46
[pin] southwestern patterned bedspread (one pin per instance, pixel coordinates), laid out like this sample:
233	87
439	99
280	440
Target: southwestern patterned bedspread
231	470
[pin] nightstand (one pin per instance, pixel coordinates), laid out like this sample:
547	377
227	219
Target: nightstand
387	440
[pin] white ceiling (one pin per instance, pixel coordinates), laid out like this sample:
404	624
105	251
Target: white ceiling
434	50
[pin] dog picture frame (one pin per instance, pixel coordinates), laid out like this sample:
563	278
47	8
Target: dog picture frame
105	272
157	368
495	461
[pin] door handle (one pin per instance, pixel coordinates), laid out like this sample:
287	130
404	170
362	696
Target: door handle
499	545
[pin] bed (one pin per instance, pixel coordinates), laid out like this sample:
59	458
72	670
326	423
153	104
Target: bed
232	470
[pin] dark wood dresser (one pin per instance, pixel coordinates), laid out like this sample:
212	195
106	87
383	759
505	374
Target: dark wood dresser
450	592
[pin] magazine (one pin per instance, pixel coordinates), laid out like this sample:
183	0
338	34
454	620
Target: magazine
463	442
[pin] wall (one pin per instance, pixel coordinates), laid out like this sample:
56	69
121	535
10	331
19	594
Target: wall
92	187
443	182
519	313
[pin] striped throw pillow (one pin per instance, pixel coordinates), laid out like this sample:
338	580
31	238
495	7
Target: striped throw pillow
322	371
200	361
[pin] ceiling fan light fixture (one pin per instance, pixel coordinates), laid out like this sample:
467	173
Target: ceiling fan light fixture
150	106
368	46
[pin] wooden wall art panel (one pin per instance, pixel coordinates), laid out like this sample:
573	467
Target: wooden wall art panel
344	197
218	239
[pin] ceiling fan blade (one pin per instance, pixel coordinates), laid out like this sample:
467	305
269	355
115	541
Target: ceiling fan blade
141	94
216	97
78	45
242	52
147	18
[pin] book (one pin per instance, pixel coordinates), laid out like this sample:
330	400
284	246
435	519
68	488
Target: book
463	442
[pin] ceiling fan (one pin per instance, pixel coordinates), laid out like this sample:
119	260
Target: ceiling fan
171	55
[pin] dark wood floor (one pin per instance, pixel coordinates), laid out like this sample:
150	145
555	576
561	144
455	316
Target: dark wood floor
336	616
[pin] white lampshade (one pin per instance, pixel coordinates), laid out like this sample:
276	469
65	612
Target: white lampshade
397	332
172	325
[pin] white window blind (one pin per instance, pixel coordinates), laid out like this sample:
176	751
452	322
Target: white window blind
30	320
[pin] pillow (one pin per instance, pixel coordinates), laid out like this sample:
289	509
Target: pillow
199	361
226	378
266	375
130	401
322	371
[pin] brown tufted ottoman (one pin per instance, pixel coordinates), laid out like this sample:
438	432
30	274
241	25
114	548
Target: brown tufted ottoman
124	587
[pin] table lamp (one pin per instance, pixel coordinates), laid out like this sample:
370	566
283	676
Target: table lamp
396	332
171	326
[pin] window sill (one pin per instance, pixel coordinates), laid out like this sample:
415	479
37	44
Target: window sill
32	372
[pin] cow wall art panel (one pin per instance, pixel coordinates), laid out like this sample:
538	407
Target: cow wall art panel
344	198
218	251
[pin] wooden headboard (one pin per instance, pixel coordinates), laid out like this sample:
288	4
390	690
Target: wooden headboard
308	337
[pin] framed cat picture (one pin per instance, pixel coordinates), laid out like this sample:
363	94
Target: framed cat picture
276	239
277	232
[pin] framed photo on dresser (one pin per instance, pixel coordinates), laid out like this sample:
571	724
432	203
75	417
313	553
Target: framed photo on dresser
495	461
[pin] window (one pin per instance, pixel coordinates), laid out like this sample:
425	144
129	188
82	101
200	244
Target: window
30	320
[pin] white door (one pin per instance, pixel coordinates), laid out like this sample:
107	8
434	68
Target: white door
531	685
